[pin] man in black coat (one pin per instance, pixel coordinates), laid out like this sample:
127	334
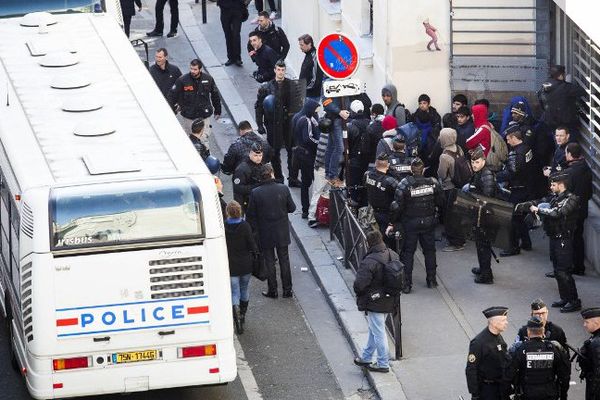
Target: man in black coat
128	11
580	184
374	301
551	330
160	23
272	36
238	151
270	204
231	21
590	362
264	57
247	175
310	70
163	72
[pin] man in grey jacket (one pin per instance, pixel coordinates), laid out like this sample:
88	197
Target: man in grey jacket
389	95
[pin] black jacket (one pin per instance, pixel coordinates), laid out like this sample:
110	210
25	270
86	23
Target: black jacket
200	147
416	198
240	246
278	122
487	360
519	168
231	4
561	218
128	6
195	95
368	284
357	131
559	102
484	182
165	78
590	366
275	38
265	59
245	178
311	73
239	150
270	204
580	184
374	135
551	332
463	132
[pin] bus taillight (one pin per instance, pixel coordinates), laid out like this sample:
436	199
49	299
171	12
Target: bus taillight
71	363
197	351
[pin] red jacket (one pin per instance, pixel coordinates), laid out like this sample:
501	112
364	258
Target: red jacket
482	135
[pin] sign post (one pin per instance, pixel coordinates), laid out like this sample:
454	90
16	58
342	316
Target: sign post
338	57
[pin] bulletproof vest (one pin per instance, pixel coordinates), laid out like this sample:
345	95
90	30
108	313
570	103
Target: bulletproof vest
380	190
419	197
564	225
521	172
538	371
399	165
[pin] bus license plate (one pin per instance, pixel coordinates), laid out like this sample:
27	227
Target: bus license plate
134	356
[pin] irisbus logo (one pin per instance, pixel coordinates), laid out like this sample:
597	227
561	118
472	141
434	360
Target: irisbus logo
170	253
88	320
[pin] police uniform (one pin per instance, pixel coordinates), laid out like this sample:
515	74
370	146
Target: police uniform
416	200
590	362
245	178
486	362
380	194
519	170
560	220
551	331
539	369
399	161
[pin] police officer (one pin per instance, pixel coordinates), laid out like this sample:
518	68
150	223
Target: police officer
380	193
539	369
589	360
488	358
238	150
398	159
483	181
247	175
560	219
195	95
416	200
196	138
518	172
551	330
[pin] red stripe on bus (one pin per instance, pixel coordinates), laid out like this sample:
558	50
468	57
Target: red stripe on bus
67	322
197	310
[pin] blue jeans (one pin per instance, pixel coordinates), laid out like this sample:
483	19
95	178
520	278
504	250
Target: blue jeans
377	340
335	150
239	289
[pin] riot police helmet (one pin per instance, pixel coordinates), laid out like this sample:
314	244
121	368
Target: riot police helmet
269	103
213	164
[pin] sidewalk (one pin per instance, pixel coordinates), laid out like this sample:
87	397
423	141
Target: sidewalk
437	324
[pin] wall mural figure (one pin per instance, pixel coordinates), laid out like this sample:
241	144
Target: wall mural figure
431	32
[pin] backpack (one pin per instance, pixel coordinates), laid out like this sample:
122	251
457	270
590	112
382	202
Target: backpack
393	274
407	114
462	169
498	151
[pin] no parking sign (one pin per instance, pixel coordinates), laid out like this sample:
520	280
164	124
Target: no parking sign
337	56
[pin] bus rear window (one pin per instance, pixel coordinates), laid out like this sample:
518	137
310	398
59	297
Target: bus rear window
125	213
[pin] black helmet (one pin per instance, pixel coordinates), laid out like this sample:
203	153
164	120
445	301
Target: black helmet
325	125
213	164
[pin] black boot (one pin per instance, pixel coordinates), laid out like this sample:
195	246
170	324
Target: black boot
476	271
236	319
243	309
431	282
484	279
571	306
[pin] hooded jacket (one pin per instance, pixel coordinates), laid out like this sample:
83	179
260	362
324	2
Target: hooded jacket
369	279
445	170
482	135
507	113
395	109
305	127
429	123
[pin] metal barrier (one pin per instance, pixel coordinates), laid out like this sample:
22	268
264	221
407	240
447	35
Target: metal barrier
345	228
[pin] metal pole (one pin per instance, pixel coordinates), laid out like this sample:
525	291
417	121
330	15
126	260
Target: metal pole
203	11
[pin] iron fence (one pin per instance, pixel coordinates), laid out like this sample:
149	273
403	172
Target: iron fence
345	228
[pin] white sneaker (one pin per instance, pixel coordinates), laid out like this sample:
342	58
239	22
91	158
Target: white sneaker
254	21
273	15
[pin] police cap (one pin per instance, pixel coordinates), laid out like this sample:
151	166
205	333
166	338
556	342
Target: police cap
256	148
417	163
495	311
592	312
559	177
383	156
535	322
537	305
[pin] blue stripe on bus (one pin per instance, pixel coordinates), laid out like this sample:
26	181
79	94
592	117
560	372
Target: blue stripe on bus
137	302
133	329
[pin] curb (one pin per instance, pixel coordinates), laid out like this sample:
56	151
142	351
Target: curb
323	268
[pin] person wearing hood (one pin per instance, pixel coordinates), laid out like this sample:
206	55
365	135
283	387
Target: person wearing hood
389	95
482	135
357	131
465	128
451	151
558	98
429	123
306	137
389	126
507	116
492	117
272	36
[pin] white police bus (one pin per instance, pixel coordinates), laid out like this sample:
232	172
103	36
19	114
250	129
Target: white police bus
114	272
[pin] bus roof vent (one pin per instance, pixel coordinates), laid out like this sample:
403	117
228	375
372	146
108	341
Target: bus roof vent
38	18
42	45
94	127
58	59
74	81
82	104
111	161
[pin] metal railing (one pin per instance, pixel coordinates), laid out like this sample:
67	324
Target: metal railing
345	228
